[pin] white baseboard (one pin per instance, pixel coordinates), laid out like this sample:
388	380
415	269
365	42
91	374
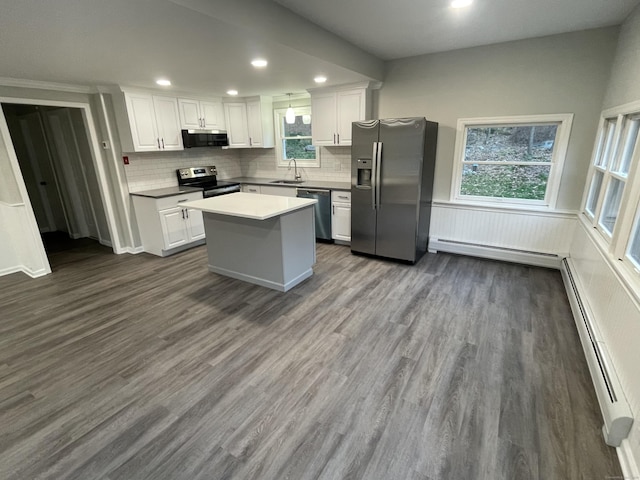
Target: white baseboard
495	253
630	469
131	250
25	270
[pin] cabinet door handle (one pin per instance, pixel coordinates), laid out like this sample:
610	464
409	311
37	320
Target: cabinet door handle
334	209
186	210
334	138
163	143
182	209
158	143
250	141
338	139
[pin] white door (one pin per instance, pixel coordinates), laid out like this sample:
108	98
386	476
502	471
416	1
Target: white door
350	108
254	122
237	129
174	232
168	121
323	128
190	116
213	115
142	120
341	221
195	224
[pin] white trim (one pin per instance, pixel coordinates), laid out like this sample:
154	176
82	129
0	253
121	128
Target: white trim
372	85
561	146
495	253
278	116
26	270
529	209
37	84
11	204
628	465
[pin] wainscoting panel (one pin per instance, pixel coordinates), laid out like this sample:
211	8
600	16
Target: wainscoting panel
514	231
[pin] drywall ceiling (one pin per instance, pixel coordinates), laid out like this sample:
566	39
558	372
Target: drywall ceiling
134	42
404	28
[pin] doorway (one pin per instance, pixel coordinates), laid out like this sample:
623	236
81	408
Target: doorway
54	154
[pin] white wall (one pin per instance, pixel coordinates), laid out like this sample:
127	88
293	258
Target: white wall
614	302
556	74
624	85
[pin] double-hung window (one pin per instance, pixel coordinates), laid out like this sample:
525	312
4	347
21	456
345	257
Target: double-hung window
611	166
294	139
510	160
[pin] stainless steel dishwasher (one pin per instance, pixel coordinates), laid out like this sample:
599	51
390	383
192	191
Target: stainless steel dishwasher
322	210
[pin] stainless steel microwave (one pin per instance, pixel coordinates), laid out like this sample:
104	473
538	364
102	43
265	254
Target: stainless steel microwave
204	138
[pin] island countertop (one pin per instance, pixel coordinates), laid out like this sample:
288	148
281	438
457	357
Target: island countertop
250	205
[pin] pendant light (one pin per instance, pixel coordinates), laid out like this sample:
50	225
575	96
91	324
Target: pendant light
290	116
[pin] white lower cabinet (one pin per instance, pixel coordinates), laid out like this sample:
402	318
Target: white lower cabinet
250	188
341	215
166	227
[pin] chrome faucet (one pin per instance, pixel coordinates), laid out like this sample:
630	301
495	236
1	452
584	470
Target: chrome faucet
297	176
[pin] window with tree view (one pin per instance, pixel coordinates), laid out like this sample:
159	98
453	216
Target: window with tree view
295	138
503	160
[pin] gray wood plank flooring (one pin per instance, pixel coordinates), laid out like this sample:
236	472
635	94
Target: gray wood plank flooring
137	367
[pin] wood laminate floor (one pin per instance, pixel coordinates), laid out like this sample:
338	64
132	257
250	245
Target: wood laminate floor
137	367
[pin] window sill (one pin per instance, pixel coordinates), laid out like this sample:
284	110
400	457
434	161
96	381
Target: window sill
508	208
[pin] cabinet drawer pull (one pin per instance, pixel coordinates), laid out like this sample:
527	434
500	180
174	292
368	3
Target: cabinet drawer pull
185	200
183	213
343	196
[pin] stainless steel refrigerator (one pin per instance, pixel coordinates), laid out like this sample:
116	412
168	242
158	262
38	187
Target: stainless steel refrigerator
392	164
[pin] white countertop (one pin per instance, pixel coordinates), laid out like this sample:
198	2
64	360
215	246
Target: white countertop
250	205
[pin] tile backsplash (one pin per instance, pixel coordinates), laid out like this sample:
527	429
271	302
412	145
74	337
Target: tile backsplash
147	171
335	165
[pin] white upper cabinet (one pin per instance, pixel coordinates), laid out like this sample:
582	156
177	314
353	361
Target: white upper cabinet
205	114
333	112
153	123
250	122
167	119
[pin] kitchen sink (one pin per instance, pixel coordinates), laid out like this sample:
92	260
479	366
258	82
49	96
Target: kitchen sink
288	182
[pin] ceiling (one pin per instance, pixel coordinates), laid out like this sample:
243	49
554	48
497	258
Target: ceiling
405	28
205	46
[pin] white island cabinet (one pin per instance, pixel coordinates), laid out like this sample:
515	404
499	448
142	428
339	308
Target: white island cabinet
266	240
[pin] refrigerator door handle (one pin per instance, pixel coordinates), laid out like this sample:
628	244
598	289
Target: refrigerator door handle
378	163
373	175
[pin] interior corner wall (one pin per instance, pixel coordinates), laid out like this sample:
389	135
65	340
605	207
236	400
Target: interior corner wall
624	84
565	73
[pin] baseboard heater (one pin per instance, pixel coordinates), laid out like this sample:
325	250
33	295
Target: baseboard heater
549	260
613	404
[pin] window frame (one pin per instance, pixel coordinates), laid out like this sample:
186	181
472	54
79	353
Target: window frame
620	238
561	144
279	118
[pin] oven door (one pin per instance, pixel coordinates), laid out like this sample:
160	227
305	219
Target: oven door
216	191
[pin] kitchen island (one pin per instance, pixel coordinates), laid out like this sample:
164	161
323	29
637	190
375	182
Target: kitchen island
267	240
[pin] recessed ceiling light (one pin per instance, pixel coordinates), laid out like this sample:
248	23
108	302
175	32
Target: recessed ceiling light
232	92
461	3
320	79
163	81
259	62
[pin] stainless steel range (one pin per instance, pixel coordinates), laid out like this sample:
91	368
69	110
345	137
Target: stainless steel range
206	178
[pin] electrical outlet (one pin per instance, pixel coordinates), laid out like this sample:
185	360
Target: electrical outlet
105	145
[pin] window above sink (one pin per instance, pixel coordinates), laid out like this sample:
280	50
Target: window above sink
294	140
